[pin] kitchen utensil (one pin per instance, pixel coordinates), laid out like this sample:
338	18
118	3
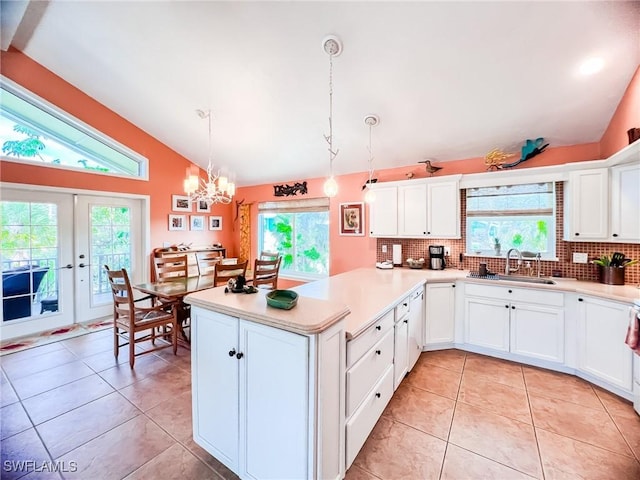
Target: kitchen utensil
284	299
616	259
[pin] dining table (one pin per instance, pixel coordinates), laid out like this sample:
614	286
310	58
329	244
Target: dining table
173	290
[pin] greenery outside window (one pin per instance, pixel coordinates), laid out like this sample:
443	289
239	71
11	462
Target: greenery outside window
299	231
514	216
34	131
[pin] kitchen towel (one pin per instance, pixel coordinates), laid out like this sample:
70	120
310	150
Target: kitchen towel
633	332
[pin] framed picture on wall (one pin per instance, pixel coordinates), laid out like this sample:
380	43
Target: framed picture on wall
197	222
177	222
180	203
352	219
202	206
215	223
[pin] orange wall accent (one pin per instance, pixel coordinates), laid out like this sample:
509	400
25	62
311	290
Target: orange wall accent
166	167
349	252
626	116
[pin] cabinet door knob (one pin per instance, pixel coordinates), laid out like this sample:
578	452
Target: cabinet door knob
581	300
232	352
378	394
506	306
404	304
428	233
513	307
406	321
239	355
453	285
378	352
615	235
378	327
577	234
510	291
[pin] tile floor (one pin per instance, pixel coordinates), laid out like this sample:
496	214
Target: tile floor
456	416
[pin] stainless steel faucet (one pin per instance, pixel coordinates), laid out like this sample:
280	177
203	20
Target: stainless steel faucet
508	270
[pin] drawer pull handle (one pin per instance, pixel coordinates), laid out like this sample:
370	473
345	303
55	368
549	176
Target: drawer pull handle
378	352
232	352
378	327
378	394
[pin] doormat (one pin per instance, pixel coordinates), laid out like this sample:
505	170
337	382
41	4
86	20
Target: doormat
62	333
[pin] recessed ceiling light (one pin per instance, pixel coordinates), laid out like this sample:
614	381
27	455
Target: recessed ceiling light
591	66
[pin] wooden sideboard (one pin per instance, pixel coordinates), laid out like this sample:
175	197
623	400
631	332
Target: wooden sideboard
190	253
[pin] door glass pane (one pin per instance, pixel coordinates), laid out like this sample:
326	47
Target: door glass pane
110	245
29	256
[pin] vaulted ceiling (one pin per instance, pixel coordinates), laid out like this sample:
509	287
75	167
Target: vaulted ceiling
449	80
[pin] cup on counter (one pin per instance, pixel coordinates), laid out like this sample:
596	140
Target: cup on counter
482	270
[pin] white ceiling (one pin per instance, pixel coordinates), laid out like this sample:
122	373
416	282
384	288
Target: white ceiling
449	80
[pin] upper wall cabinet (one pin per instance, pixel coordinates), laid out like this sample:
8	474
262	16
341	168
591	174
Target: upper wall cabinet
416	209
603	205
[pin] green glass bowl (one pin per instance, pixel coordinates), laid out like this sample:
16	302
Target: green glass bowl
284	299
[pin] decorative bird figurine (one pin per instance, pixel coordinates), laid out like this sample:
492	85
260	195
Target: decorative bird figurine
430	168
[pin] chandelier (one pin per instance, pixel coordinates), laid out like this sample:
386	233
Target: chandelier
218	186
370	196
333	47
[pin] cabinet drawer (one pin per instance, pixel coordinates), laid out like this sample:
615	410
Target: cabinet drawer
367	339
509	293
362	422
402	309
365	373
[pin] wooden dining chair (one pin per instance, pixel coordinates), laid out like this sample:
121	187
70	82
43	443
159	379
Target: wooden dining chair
264	255
129	319
265	273
207	262
171	267
223	272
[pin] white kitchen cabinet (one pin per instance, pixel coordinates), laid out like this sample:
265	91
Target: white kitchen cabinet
439	318
400	351
416	327
443	210
412	210
602	327
253	397
383	212
625	203
586	207
528	322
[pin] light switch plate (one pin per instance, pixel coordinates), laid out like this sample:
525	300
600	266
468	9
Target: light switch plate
447	251
580	257
384	249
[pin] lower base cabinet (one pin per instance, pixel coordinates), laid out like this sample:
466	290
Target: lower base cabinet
254	392
440	319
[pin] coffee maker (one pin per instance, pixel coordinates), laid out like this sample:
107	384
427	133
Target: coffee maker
436	257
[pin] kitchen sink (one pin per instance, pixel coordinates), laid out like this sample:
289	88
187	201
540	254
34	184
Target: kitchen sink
517	278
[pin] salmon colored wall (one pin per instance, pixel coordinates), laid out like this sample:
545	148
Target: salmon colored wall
166	167
626	116
349	252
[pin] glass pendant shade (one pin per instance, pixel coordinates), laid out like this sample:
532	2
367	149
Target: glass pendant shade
330	187
370	196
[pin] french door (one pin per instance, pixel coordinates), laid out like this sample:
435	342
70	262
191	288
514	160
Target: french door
52	252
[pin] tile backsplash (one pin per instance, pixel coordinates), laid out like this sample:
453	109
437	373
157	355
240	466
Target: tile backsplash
417	248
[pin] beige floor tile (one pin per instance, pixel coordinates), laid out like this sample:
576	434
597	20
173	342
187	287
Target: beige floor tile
122	376
435	380
356	473
495	370
176	462
449	359
7	394
209	459
119	451
586	424
87	345
565	458
561	386
52	403
49	379
18	448
496	437
461	464
31	365
13	419
72	429
420	456
155	389
31	352
174	416
495	397
423	410
615	405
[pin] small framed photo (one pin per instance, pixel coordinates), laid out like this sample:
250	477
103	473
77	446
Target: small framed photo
352	219
197	222
177	222
180	203
215	223
202	206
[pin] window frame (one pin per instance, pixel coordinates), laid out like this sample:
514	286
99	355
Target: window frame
62	116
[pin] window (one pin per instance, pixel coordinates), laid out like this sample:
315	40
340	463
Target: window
299	231
515	216
32	130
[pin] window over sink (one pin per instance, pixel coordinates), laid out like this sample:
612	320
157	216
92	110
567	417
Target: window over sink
299	231
513	216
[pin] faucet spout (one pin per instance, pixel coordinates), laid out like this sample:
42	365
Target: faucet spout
507	269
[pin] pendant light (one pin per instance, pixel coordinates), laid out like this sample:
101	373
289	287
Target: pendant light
371	121
333	47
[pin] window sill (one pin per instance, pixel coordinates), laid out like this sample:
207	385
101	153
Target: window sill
503	256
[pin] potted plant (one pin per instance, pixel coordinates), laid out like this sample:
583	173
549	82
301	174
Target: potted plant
496	245
611	269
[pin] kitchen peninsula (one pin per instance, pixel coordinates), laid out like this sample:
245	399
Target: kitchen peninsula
296	393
